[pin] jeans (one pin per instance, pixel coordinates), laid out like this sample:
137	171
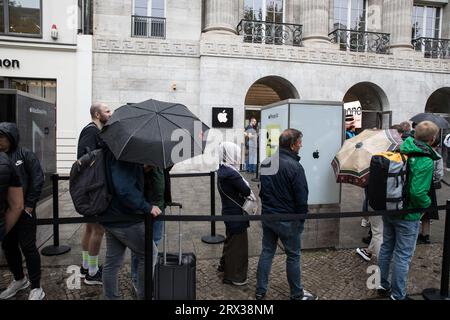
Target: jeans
399	244
290	235
22	239
157	236
117	240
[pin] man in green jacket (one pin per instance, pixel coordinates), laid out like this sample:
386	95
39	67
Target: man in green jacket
400	232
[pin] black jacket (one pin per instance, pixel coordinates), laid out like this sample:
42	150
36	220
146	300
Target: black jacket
285	191
231	185
89	140
26	164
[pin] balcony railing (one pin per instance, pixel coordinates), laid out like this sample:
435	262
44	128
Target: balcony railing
361	41
148	27
270	33
433	47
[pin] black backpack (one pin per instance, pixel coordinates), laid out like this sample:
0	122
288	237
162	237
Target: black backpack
88	184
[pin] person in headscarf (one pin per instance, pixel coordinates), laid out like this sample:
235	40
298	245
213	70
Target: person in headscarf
233	189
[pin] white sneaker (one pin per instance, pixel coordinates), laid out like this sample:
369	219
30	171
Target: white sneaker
36	294
365	223
14	287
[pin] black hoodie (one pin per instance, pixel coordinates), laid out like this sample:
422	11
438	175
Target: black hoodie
26	164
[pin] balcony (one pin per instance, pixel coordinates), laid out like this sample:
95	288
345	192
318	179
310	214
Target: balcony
148	27
270	33
361	41
434	48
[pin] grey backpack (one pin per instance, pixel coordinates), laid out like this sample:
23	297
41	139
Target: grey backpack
88	185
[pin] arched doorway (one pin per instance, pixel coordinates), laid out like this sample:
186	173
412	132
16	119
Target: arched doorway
374	104
261	93
439	101
266	91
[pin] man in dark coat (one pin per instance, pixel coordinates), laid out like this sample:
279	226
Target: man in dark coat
284	190
91	239
23	236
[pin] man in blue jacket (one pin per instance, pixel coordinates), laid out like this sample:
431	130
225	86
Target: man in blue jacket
127	183
284	191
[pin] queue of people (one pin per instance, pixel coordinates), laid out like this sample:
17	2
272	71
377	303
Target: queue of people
138	189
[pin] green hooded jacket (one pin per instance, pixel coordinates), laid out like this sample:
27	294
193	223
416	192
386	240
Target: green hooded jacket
420	175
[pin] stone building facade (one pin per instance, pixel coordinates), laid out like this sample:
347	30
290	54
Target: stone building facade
209	54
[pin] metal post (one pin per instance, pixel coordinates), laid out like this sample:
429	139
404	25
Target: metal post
148	220
55	249
442	294
256	178
213	238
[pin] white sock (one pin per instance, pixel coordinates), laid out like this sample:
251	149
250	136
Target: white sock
85	255
93	265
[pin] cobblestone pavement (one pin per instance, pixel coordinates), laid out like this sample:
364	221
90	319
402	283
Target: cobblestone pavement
331	274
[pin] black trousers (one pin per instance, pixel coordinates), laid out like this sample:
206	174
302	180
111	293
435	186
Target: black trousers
22	239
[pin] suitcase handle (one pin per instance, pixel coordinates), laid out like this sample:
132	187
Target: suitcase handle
170	205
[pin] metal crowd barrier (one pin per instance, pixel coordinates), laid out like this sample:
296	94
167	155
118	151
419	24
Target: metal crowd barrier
57	249
429	294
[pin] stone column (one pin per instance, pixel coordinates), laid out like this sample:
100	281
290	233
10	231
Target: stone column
397	20
445	33
221	16
314	18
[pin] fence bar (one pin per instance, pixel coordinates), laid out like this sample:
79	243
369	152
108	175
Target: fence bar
148	219
442	294
55	249
213	238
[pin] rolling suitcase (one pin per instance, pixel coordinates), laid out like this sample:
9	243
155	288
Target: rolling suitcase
175	274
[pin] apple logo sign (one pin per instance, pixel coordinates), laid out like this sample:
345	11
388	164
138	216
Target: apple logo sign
316	154
222	117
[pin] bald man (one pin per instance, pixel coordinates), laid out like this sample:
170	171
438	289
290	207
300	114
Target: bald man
92	238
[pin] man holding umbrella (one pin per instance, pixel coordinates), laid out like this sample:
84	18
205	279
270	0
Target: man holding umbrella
136	135
127	181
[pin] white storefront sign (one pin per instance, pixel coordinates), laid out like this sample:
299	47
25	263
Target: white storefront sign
354	108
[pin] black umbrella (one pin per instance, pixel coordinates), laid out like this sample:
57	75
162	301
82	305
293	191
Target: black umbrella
438	120
145	133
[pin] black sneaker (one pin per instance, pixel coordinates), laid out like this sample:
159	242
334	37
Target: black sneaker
382	292
220	268
306	296
96	279
260	296
405	298
83	272
426	239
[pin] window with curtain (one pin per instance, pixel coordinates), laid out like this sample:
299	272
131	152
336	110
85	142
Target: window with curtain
24	16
